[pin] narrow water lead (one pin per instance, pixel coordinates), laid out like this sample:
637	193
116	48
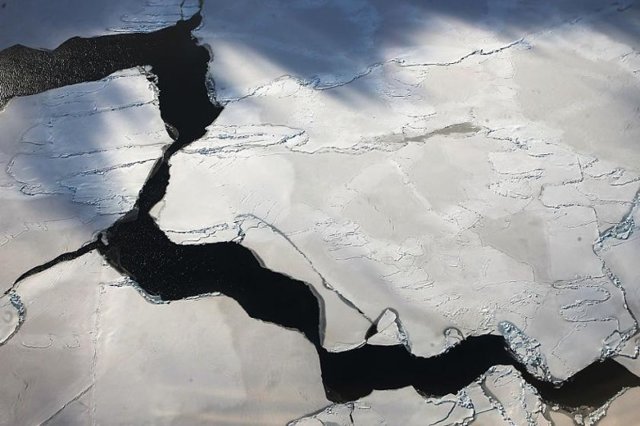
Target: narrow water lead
172	271
137	247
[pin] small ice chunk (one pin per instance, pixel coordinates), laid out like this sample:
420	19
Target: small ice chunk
389	331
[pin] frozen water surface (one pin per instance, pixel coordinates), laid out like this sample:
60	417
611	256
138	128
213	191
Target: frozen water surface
391	189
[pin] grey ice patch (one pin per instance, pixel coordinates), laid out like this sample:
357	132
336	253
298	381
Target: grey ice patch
458	128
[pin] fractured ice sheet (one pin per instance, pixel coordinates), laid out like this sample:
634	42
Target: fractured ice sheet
200	362
73	162
324	43
388	331
453	164
403	406
112	357
620	248
623	410
432	184
499	397
343	325
430	264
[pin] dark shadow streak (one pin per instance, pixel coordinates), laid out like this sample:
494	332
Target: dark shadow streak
137	247
64	257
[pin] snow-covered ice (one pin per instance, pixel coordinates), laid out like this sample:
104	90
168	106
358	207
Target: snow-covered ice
436	170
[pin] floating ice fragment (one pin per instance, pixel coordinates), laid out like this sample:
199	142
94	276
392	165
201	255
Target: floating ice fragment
389	331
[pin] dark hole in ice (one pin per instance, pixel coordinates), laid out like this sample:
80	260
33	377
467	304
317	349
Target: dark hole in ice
137	247
171	52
